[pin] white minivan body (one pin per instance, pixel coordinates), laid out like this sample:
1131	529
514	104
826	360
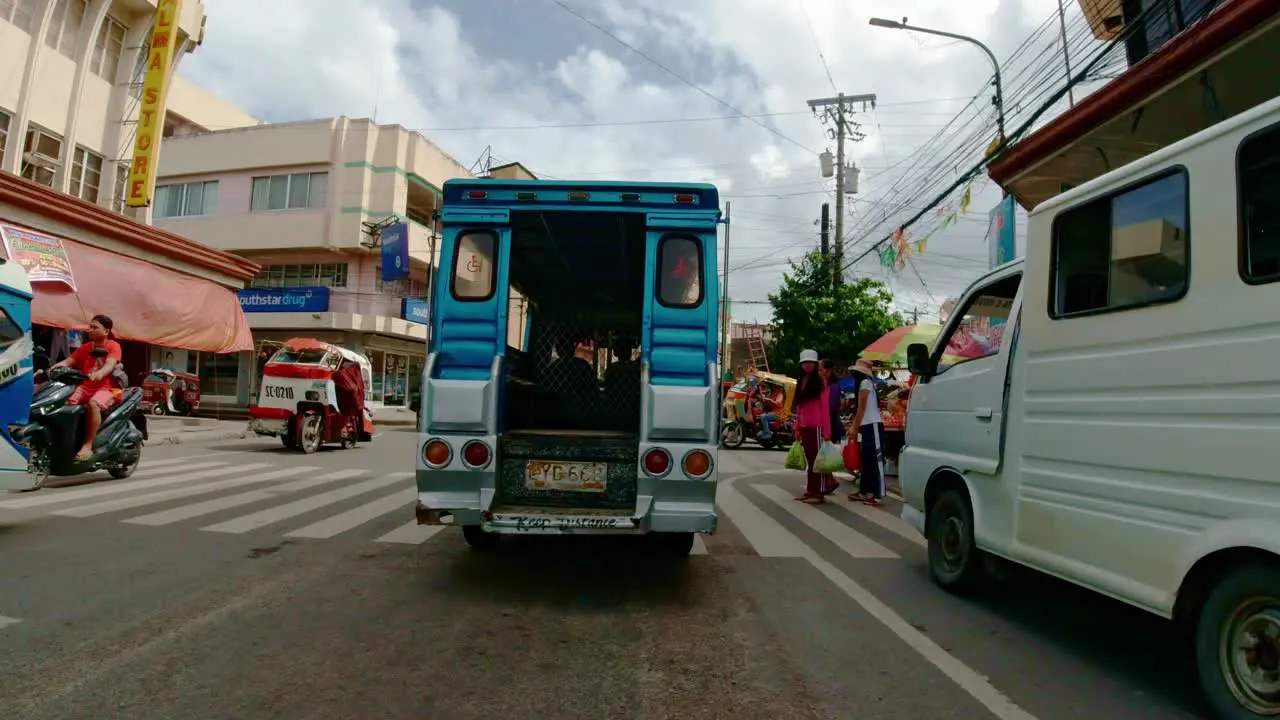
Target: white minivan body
1115	421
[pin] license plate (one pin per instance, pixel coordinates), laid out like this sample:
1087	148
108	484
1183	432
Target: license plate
578	477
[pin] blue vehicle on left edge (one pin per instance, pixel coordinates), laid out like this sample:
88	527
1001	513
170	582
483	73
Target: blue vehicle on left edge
16	374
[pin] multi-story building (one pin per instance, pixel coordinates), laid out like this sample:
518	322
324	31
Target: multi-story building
306	200
70	86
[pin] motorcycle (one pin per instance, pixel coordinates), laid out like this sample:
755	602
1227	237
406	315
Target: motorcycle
55	432
738	431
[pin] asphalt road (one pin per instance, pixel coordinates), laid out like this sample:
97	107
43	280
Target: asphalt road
236	580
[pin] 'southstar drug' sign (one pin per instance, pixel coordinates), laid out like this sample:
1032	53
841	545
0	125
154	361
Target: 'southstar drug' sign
142	173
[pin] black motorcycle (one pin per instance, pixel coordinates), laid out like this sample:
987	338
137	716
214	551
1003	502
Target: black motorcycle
55	432
736	432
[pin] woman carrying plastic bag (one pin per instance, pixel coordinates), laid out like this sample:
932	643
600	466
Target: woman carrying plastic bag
817	411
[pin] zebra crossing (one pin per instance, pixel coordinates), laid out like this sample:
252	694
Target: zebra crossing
236	495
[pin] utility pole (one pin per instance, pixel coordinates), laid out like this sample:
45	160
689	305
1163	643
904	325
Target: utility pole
837	110
724	298
824	231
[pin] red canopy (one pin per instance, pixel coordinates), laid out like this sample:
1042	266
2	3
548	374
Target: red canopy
148	303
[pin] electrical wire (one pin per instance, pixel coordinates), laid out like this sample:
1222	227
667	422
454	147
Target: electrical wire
817	45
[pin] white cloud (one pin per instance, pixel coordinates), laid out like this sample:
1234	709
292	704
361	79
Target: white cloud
501	63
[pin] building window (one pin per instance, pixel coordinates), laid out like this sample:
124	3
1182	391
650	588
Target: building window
40	155
25	14
331	275
63	34
186	200
290	192
1122	251
86	175
5	119
1259	168
108	50
402	288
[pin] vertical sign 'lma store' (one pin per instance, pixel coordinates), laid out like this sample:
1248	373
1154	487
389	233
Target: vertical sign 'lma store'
142	173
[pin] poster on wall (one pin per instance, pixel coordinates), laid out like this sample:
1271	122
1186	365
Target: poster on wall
168	359
42	256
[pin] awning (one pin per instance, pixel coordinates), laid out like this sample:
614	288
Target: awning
148	303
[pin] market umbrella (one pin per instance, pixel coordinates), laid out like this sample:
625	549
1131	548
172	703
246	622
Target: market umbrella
891	348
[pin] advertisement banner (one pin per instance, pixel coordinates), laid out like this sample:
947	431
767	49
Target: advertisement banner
1001	242
395	251
155	84
291	299
42	256
416	310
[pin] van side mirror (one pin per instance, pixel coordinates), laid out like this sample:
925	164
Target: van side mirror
918	360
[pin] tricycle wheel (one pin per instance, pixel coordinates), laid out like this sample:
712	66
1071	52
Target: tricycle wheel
478	539
309	434
348	440
158	409
732	436
290	437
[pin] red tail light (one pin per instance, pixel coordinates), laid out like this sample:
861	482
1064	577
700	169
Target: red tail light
686	199
476	454
657	462
477	194
436	453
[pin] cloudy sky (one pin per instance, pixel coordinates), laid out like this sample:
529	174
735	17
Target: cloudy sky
554	85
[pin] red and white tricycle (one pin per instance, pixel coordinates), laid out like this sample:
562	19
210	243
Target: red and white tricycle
314	393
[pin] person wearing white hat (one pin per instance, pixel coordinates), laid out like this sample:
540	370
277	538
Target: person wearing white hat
817	413
870	429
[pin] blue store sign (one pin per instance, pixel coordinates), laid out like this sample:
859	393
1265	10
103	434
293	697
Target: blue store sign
416	310
292	299
395	251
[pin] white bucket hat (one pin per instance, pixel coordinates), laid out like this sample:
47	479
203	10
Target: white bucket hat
809	356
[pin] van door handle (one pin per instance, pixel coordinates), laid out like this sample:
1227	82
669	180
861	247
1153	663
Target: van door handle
982	413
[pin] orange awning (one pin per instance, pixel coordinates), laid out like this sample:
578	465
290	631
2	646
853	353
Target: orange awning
148	303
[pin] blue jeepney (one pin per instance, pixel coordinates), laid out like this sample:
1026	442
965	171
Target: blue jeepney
17	377
570	384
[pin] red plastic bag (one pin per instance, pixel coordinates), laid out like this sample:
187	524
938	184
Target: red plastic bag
852	456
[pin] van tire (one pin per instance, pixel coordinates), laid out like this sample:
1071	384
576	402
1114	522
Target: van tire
955	562
676	545
1250	592
478	539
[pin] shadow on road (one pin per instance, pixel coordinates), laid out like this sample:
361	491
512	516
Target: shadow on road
598	573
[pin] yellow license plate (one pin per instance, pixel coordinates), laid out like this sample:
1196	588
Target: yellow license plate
571	476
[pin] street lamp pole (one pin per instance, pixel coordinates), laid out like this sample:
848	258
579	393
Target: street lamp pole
995	64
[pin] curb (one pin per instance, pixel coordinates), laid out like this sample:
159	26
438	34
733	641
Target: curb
198	436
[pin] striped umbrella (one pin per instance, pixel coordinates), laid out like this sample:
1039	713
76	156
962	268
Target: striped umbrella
891	348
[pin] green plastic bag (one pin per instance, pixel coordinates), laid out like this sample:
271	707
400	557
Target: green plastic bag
795	458
830	459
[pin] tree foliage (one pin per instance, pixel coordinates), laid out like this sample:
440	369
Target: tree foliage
838	322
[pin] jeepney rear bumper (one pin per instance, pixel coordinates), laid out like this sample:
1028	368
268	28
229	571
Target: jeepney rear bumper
675	506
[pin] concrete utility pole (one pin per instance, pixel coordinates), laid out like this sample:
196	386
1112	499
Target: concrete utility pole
824	230
837	110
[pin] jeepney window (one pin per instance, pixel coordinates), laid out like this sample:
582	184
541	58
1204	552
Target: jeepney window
9	330
1259	168
474	266
1122	251
680	272
299	357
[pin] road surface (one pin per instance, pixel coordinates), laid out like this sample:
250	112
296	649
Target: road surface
238	580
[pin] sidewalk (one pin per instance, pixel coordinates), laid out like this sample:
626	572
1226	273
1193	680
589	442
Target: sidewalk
176	430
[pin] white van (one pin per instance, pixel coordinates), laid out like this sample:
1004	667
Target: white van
1108	409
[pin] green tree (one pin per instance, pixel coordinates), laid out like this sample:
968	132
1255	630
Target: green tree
838	322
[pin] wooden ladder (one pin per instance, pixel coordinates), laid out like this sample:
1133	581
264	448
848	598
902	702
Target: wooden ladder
756	348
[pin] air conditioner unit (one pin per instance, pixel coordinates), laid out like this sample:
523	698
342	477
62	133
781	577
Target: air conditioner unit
41	160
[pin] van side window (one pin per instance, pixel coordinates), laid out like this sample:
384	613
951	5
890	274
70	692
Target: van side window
474	269
1259	185
980	331
1122	251
680	271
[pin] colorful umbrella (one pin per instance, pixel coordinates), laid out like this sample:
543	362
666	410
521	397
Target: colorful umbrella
891	348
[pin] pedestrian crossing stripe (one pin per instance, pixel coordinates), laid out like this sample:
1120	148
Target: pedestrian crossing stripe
268	495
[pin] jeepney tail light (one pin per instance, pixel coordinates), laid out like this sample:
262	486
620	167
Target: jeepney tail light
697	464
476	454
436	453
657	462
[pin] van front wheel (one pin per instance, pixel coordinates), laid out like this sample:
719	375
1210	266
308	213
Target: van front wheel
1238	644
955	562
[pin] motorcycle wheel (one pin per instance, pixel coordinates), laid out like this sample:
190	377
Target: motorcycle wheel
158	409
124	470
38	469
309	439
732	436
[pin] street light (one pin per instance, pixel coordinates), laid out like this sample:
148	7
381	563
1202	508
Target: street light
999	98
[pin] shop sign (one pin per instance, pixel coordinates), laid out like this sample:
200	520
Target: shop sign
292	299
416	310
155	83
395	251
43	257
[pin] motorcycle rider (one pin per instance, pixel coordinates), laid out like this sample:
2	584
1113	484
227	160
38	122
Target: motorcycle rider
95	392
762	407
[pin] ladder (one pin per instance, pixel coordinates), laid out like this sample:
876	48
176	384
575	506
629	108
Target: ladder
756	349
